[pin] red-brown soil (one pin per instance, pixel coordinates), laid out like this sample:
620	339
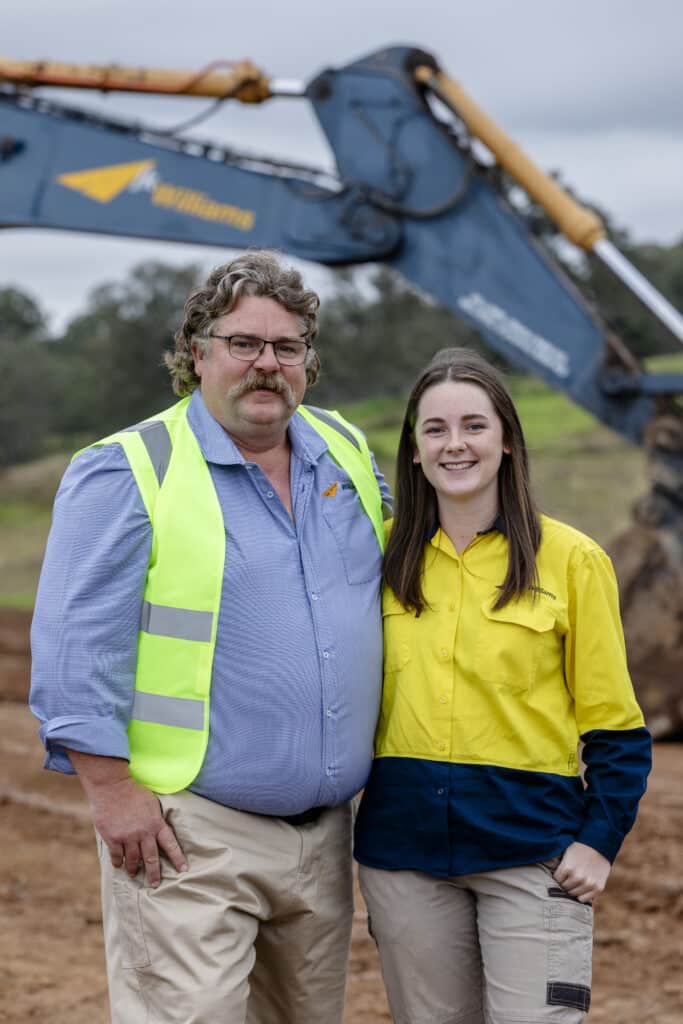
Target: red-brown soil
51	960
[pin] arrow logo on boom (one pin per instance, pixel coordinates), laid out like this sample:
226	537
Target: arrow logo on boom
105	183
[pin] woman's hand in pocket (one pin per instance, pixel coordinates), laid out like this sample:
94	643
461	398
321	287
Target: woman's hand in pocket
582	872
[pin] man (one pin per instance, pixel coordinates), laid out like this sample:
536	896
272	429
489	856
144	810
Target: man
207	657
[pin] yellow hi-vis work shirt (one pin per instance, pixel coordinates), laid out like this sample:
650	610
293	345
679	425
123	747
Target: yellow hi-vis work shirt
476	751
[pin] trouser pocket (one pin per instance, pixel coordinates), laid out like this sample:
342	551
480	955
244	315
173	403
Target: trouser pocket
126	898
551	864
570	941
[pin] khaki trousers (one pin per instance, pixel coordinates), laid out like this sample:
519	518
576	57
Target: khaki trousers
500	947
257	930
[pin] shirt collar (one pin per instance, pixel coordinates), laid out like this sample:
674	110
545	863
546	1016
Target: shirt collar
306	442
218	447
498	524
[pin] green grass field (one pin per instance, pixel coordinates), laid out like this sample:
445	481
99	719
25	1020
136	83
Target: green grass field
582	472
26	495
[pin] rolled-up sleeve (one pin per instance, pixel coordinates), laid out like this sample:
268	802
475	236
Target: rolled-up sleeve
85	626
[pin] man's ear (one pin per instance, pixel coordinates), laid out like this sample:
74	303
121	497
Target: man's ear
199	356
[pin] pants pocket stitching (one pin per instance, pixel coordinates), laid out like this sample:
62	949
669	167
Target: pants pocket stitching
134	947
569	926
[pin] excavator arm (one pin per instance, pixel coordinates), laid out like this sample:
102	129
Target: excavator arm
62	169
410	190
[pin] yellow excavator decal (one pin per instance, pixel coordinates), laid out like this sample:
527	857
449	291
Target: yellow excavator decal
104	184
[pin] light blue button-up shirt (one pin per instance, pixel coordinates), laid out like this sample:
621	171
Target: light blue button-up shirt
298	663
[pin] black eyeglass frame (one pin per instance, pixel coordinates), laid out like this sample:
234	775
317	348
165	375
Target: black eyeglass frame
262	342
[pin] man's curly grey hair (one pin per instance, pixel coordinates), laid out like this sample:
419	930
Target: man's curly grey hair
255	272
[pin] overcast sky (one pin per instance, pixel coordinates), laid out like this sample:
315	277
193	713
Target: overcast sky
593	88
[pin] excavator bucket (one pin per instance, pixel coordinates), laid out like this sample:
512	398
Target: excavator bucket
648	561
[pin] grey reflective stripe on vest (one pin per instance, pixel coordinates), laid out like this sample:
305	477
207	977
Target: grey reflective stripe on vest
323	414
151	707
179	623
157	441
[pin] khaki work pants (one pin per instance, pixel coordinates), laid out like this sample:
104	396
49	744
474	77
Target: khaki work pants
500	947
257	930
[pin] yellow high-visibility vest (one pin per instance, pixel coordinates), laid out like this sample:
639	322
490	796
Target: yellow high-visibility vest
169	727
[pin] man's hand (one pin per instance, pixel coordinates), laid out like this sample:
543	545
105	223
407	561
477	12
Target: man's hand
127	816
582	872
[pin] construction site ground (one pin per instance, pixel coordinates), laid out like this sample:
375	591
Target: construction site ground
51	958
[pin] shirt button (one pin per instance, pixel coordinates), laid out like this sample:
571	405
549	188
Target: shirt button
440	792
329	712
451	606
326	654
444	652
314	597
269	494
443	699
441	746
328	771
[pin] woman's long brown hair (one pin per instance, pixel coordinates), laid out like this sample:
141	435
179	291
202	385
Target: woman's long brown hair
416	517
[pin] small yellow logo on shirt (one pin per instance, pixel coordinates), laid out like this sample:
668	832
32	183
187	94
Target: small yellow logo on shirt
331	490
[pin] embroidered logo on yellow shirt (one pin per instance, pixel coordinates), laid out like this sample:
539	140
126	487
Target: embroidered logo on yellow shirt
330	491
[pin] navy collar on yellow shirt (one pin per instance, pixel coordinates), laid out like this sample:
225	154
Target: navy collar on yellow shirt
497	524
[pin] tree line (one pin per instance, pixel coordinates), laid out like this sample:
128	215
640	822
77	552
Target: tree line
105	369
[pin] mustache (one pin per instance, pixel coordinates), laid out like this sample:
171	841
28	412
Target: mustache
257	380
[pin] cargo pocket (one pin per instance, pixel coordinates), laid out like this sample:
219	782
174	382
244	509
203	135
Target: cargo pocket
126	897
569	925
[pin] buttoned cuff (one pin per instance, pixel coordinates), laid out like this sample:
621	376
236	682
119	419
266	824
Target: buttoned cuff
601	837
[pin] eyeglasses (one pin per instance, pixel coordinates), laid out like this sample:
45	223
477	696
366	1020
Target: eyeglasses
246	348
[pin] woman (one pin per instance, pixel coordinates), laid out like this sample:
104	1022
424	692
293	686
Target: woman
480	849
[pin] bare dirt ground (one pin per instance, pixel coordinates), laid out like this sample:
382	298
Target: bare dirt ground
51	959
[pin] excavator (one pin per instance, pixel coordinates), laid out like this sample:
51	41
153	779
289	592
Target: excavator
426	183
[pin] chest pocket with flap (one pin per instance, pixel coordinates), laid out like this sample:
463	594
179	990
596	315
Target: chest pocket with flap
396	626
512	642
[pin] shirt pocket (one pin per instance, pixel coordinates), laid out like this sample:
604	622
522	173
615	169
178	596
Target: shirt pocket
355	539
396	646
511	644
397	709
